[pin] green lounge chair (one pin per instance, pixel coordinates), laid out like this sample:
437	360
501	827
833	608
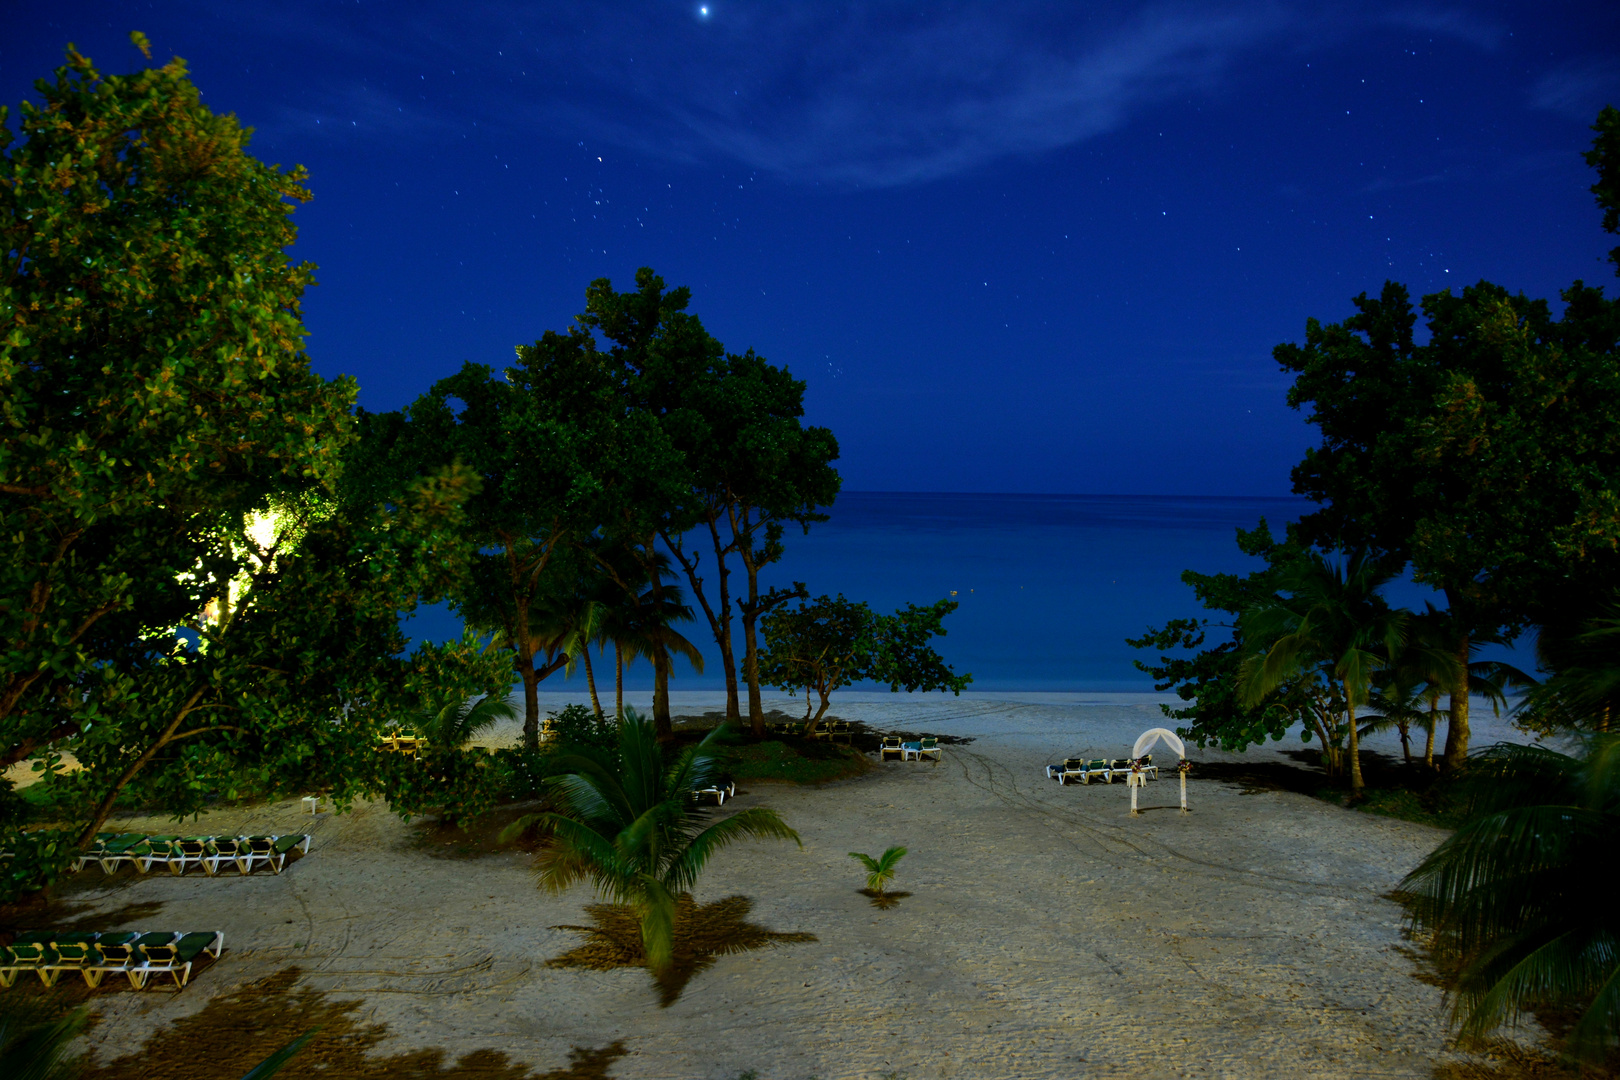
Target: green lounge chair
71	952
114	953
226	849
27	952
175	956
930	747
158	849
119	849
273	850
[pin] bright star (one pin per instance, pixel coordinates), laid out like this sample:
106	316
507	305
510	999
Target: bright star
703	12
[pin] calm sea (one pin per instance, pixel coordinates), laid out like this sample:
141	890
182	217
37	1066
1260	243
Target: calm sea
1049	585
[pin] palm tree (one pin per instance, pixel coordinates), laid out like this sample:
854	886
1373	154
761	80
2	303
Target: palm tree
1329	615
880	871
457	720
631	827
644	628
34	1041
1522	895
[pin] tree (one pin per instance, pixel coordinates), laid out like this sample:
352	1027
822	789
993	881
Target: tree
197	601
560	461
1605	158
1484	455
632	828
153	385
831	642
881	870
1520	897
1330	617
1209	679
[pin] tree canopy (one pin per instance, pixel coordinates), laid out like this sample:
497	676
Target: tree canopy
830	642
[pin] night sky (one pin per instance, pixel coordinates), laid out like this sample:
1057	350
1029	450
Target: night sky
1013	248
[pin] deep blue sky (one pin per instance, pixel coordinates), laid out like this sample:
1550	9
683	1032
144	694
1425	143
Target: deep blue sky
1013	248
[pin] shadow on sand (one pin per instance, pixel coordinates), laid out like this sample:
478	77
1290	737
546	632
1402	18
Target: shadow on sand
702	933
235	1031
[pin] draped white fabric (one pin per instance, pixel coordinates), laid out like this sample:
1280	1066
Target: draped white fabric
1145	741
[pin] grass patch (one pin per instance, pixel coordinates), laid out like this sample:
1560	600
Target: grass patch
796	761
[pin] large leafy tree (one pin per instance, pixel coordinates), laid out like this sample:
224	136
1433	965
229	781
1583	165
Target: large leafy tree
830	642
153	384
1485	455
561	463
749	466
198	599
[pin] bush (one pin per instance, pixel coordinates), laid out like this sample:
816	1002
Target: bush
522	772
577	726
33	860
456	784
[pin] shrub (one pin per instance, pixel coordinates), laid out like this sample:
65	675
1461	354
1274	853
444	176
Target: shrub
579	727
456	784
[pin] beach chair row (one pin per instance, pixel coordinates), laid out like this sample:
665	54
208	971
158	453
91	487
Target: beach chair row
1085	770
137	956
180	853
909	750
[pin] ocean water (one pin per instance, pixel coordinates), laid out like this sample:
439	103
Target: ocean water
1049	585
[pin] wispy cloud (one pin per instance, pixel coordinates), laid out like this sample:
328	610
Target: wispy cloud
1579	90
864	94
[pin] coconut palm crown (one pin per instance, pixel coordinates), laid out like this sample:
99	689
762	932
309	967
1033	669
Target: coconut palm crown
1522	895
1330	616
630	826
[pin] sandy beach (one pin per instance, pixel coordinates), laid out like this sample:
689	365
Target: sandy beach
1046	933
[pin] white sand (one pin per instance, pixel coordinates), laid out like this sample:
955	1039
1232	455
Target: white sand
1048	934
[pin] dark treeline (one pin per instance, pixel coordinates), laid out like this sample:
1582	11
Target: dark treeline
1481	451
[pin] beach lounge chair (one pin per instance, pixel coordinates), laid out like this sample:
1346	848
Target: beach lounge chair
114	954
226	849
71	953
1086	770
172	954
1055	772
720	790
929	747
891	745
272	851
93	855
839	729
27	952
124	848
157	849
1148	769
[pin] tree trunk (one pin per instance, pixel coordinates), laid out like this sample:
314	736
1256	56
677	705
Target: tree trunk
1457	729
1428	742
719	621
826	698
1405	728
1356	783
728	658
590	680
618	681
531	701
104	809
662	723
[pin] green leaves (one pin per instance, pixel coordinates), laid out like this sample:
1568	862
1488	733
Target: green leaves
1520	898
881	870
830	642
631	827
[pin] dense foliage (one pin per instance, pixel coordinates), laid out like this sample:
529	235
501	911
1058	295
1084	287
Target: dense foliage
830	642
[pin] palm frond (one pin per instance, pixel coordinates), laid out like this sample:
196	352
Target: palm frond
759	823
